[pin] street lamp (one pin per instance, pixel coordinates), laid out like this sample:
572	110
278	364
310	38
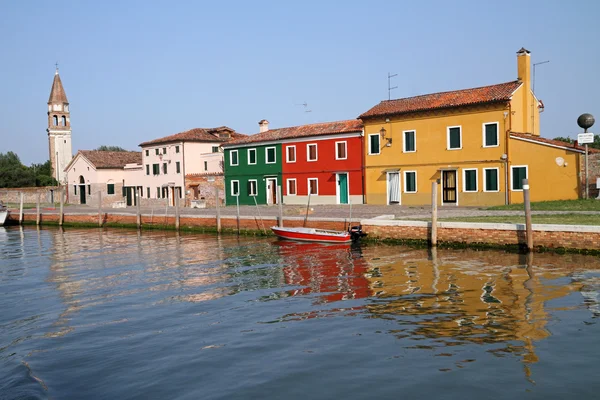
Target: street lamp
586	121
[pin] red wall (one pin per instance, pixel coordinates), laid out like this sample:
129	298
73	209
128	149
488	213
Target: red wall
325	167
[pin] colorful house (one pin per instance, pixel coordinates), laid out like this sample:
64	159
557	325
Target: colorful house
478	143
324	159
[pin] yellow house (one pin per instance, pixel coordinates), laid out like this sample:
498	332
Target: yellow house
479	143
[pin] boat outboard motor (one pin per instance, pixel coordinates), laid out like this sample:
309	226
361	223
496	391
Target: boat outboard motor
356	232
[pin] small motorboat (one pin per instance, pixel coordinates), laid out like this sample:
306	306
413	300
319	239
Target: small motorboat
3	213
318	235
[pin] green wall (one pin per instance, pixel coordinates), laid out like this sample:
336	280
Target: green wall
244	172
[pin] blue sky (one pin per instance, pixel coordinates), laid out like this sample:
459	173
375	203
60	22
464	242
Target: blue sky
138	70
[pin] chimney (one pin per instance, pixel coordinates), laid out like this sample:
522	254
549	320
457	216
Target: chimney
527	99
524	67
263	125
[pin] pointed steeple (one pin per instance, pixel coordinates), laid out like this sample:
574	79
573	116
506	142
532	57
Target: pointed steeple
57	93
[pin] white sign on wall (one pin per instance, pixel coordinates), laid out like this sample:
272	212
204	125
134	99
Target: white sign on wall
584	138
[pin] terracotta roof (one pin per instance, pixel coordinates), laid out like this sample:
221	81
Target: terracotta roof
434	101
560	143
57	93
112	159
293	132
198	135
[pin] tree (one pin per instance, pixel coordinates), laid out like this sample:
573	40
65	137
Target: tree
110	148
13	173
595	145
43	174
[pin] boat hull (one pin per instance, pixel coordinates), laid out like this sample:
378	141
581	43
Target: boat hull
3	215
312	235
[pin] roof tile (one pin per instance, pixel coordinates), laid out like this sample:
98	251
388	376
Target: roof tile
112	159
197	135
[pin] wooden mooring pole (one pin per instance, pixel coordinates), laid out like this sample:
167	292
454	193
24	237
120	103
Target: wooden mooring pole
280	202
138	213
61	215
177	194
434	211
237	201
100	209
21	210
37	214
527	201
217	201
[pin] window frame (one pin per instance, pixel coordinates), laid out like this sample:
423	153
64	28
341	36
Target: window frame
370	152
157	171
337	156
177	167
177	149
255	181
231	192
148	169
147	153
237	158
148	191
157	151
497	180
448	137
215	149
308	191
255	158
512	167
464	183
308	152
274	155
287	154
406	181
287	188
497	134
108	188
414	132
165	168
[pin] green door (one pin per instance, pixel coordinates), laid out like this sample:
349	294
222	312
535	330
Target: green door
129	193
343	188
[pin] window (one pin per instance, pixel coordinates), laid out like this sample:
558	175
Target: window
490	180
165	168
89	190
251	156
291	187
291	154
164	150
215	149
157	151
235	188
110	188
148	192
340	150
155	169
233	158
252	187
178	167
158	193
490	134
410	181
64	121
374	143
206	165
454	138
176	149
147	153
147	169
313	186
55	120
518	173
75	190
270	155
469	180
311	152
410	144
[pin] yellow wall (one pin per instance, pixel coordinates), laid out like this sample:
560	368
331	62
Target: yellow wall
520	106
547	180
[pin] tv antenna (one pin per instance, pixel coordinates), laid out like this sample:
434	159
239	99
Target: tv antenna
305	105
390	88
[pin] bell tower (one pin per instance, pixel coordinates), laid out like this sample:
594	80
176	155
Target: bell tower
59	130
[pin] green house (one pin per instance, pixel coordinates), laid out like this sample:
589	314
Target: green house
252	171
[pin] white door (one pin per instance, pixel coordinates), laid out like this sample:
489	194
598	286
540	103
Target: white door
393	187
271	190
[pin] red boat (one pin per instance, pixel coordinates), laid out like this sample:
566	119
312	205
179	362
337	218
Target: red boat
317	235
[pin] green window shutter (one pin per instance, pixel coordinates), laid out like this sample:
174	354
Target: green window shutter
234	157
110	188
374	144
470	181
491	179
455	138
411	181
409	140
177	167
252	156
147	153
518	174
491	135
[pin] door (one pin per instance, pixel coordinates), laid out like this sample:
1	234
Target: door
393	187
271	190
129	195
449	187
342	180
82	190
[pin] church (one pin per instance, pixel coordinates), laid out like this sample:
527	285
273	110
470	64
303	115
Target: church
59	130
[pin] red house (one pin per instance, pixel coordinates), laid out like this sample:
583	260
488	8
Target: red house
324	160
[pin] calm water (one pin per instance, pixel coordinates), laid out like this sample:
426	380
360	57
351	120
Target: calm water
115	314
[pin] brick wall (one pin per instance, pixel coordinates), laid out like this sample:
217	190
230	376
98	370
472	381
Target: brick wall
594	173
202	187
13	195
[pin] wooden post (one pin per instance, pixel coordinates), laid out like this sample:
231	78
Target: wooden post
434	211
61	215
527	202
280	202
21	210
237	201
37	214
217	201
176	193
100	209
138	213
